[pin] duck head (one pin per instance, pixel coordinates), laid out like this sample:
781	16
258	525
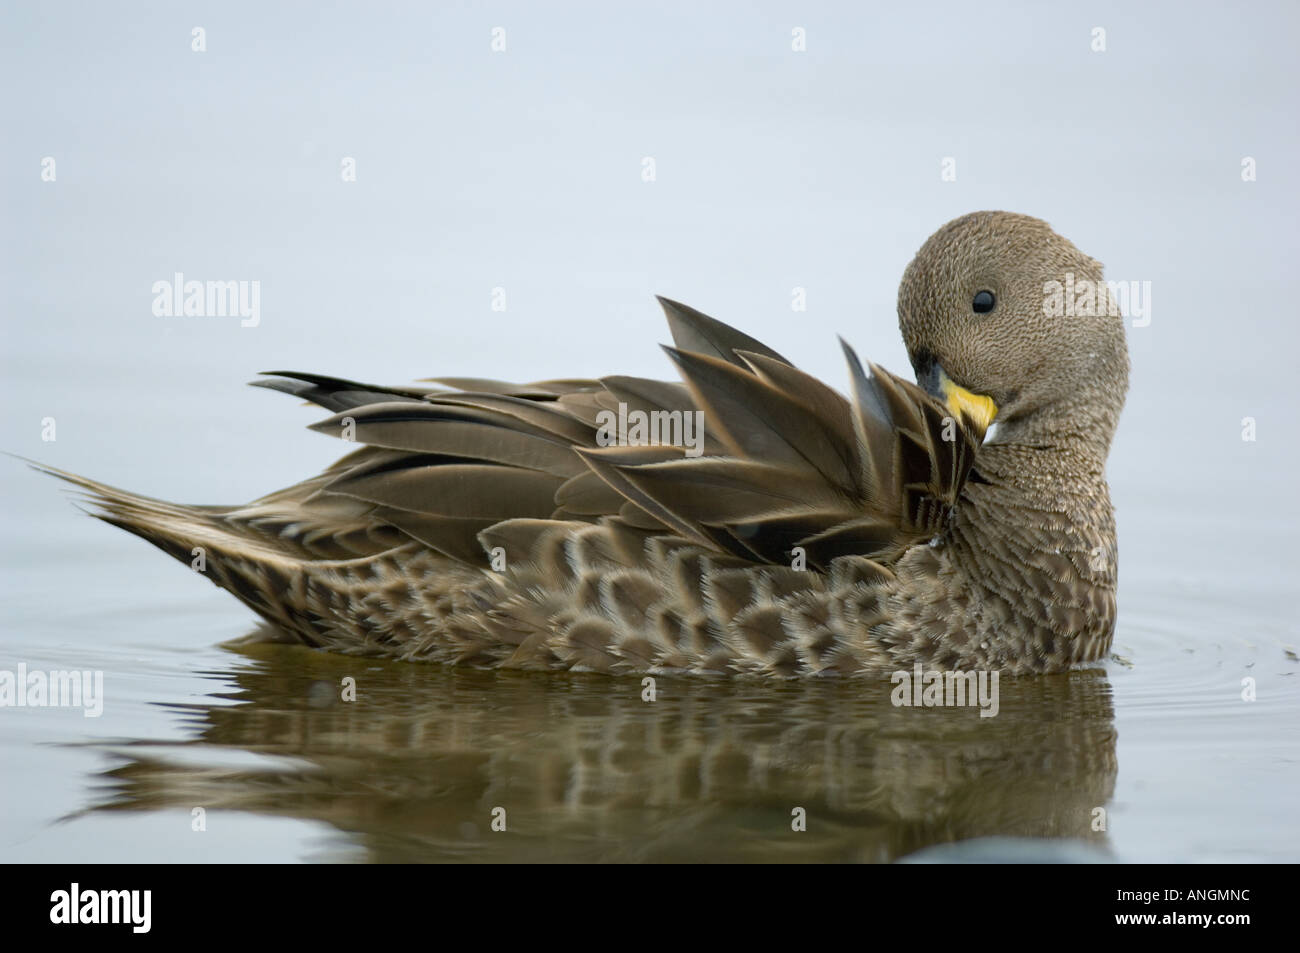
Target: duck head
987	333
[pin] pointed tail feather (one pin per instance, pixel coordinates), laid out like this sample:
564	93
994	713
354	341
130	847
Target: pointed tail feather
255	572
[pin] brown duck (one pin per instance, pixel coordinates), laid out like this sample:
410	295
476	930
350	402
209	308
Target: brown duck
584	525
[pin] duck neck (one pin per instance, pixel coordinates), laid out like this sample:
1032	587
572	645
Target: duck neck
1058	486
1067	439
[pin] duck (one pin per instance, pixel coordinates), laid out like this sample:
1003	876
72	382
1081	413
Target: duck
961	522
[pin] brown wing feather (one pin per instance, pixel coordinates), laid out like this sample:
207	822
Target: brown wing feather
788	462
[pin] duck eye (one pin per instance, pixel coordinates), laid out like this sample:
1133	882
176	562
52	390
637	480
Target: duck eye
984	302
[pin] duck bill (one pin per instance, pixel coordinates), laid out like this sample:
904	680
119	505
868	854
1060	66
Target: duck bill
975	411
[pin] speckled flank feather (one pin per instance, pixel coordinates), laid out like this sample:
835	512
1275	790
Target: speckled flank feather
482	523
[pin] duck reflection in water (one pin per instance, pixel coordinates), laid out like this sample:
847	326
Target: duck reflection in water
426	760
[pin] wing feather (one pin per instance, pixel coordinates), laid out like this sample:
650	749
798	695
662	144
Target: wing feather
787	462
